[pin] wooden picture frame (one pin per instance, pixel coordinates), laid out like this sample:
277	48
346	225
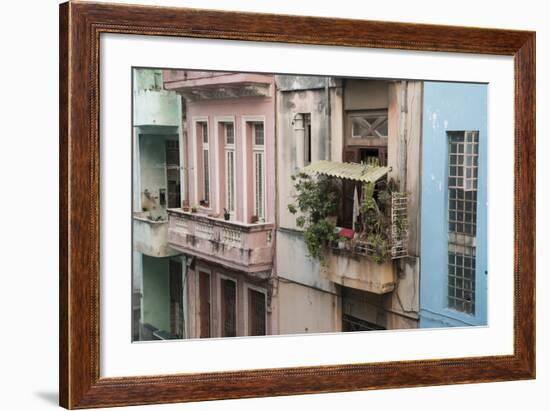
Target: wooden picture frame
80	27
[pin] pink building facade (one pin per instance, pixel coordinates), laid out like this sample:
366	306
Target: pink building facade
227	220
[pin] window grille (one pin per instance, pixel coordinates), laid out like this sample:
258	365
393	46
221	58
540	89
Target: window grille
462	273
400	225
462	219
370	125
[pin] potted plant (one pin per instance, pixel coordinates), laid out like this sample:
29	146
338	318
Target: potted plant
185	205
226	214
254	219
194	208
204	203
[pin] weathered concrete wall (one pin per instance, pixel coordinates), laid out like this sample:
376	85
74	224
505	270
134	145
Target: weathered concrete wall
359	272
305	310
307	302
404	145
295	99
296	83
151	237
152	104
365	94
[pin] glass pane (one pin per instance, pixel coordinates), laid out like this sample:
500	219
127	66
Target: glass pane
259	134
229	134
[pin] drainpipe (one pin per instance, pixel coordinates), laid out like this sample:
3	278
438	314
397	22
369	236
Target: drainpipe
403	109
328	145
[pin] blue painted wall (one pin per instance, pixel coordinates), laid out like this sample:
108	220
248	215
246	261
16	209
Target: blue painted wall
449	107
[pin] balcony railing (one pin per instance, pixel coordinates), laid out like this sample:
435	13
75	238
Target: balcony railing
239	246
150	236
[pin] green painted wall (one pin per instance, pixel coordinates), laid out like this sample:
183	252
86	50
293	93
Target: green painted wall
156	292
154	106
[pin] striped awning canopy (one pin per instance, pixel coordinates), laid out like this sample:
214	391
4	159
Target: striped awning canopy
349	171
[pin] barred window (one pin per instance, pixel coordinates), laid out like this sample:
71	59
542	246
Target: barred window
462	275
462	219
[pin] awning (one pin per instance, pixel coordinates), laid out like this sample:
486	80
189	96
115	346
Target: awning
350	171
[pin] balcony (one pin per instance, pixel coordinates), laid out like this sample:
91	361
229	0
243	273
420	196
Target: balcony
355	268
150	237
236	245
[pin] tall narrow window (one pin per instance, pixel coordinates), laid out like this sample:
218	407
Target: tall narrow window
256	312
173	173
229	167
462	219
307	139
259	171
204	305
228	297
205	201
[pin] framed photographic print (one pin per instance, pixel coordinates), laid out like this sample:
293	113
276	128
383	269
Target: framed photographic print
258	205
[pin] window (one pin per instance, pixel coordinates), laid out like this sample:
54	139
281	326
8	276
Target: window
462	274
204	305
462	219
371	124
173	173
258	134
307	139
228	307
157	80
259	193
259	171
256	312
229	132
205	201
230	179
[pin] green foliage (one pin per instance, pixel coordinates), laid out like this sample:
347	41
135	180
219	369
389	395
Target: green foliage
375	219
316	200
